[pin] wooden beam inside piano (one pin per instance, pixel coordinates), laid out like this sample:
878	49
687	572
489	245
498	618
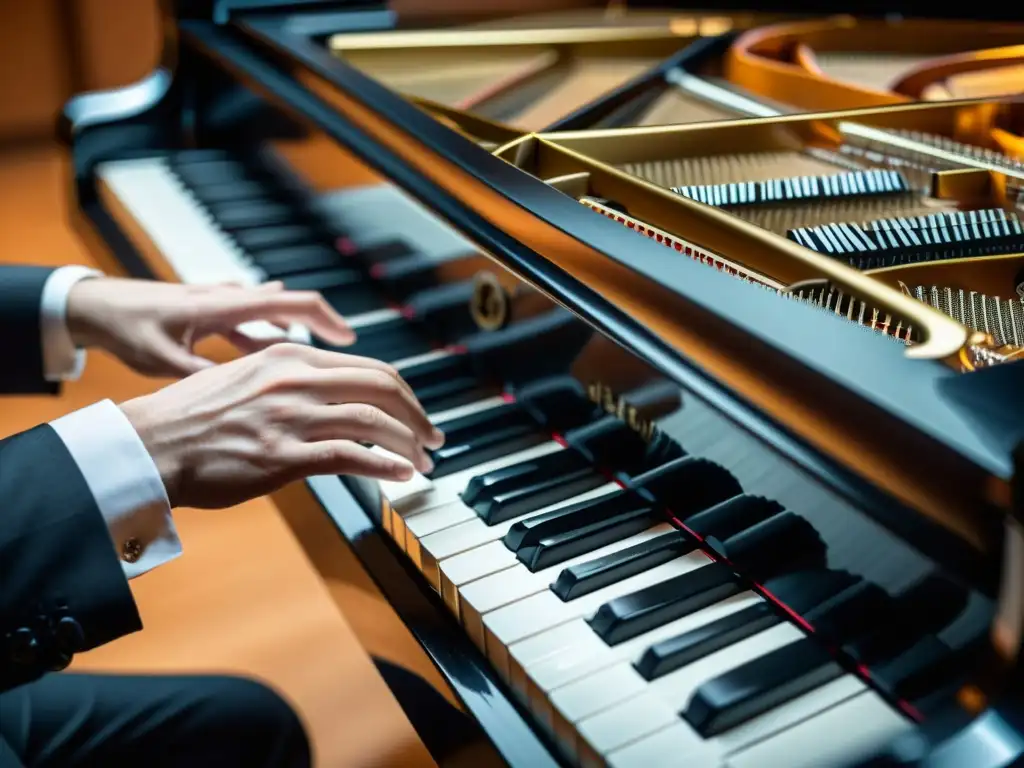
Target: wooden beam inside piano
902	194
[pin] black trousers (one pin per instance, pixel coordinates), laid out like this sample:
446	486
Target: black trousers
74	721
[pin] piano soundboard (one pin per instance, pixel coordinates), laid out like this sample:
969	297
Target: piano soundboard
678	518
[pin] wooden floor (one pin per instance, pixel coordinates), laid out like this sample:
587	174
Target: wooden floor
244	598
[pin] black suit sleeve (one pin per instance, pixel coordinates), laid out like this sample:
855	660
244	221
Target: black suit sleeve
63	589
21	344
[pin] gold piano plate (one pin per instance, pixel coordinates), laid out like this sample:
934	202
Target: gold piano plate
944	149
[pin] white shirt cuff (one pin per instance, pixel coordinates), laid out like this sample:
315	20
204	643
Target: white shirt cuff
125	483
61	361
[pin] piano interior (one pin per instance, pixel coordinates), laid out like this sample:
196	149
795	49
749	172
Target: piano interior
878	190
751	515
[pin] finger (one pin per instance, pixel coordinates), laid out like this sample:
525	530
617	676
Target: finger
364	423
213	287
332	360
307	308
374	387
343	457
176	359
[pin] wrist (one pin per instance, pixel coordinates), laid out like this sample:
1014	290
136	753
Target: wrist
158	444
84	312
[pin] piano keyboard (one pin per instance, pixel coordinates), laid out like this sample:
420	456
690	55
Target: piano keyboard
615	628
543	525
217	217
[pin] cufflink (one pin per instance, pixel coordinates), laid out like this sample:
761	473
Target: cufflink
131	550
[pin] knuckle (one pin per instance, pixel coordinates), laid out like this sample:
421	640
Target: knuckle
386	381
284	351
272	442
367	416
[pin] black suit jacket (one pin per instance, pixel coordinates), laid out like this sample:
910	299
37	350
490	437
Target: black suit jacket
62	589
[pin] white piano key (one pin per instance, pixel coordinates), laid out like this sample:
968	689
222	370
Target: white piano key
181	229
438	418
548	661
839	736
545	610
507	580
680	739
445	492
606	725
395	492
373	317
476	548
426	357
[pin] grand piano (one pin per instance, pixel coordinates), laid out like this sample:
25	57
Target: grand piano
721	314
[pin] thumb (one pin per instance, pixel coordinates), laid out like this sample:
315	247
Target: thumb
173	358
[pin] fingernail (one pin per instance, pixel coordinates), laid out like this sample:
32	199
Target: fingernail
426	465
436	438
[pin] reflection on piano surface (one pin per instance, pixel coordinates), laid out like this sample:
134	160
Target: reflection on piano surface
678	519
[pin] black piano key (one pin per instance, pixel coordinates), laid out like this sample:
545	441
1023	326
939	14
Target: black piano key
251	215
530	532
484	436
511	491
390	341
235	192
926	607
446	382
592	531
353	298
850	614
272	238
584	578
181	157
443	310
626	617
732	516
558	402
405	275
686	648
687	486
785	542
928	667
794	669
530	349
325	278
803	591
375	253
212	173
562	534
283	262
755	687
613	445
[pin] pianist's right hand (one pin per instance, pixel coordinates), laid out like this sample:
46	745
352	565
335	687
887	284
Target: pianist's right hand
245	428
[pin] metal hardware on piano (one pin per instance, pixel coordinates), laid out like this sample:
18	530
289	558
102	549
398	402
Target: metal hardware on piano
679	519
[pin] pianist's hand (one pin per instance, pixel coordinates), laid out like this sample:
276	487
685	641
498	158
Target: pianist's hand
247	427
152	326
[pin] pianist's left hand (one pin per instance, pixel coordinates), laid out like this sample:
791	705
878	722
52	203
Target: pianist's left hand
153	326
